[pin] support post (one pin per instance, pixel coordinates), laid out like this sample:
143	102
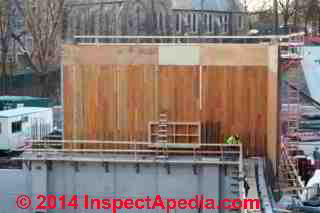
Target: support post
39	175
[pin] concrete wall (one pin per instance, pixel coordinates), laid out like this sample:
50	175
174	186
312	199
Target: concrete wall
12	184
121	180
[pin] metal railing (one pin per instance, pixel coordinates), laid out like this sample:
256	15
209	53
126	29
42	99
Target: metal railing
97	39
226	153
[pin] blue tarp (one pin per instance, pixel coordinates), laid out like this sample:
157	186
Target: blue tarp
311	68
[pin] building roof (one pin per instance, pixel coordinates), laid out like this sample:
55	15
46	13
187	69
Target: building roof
21	111
20	98
215	5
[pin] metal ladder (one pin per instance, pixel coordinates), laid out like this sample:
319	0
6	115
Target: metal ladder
163	137
289	177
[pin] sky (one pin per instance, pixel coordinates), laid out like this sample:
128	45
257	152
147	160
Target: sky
256	4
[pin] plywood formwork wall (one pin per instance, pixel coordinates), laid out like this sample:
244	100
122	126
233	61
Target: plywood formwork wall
112	92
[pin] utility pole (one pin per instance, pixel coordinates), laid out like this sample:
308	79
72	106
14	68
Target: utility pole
276	17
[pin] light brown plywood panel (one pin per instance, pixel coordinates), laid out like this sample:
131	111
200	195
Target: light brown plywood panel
114	98
68	102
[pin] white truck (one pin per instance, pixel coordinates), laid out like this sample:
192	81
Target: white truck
22	124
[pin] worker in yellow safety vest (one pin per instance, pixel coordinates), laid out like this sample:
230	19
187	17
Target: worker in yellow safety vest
234	139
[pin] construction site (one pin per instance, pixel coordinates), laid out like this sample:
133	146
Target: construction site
151	115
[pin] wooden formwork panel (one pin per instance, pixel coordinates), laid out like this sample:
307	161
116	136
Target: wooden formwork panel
179	92
109	102
117	99
68	102
236	99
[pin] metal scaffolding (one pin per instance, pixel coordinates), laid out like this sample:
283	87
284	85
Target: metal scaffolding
291	56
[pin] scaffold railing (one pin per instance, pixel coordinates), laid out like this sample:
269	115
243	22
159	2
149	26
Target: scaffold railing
100	39
291	56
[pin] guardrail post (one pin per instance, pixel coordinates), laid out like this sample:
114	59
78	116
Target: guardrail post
39	173
241	157
135	151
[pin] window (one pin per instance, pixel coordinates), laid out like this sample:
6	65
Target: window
25	119
93	24
194	24
210	23
78	26
138	19
107	24
226	23
240	22
160	22
16	126
177	23
182	26
155	21
205	23
65	23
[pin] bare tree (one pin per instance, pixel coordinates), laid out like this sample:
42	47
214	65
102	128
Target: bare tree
287	10
275	17
6	13
44	22
262	16
300	10
310	11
